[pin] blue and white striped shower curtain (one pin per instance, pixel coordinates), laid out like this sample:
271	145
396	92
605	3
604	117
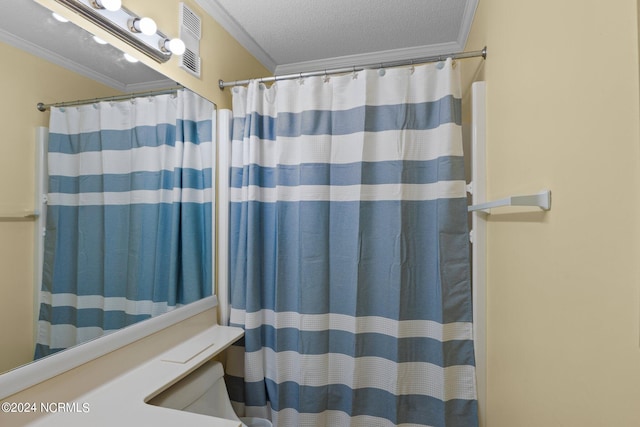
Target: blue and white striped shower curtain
129	215
349	256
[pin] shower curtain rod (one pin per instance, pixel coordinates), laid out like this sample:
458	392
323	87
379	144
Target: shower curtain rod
44	107
462	55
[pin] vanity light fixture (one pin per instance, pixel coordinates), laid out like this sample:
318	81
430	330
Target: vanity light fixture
175	46
139	32
111	5
143	25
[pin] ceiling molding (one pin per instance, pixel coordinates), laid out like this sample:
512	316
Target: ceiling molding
467	21
149	86
379	57
237	32
217	12
70	65
47	55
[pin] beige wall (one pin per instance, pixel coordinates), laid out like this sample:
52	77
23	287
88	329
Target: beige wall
563	287
563	108
39	81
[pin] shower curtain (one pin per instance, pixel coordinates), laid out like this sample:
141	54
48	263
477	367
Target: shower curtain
349	251
129	215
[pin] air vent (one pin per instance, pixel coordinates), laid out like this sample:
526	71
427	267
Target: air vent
190	33
191	62
190	21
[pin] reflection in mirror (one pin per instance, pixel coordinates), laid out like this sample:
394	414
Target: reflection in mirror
128	218
48	61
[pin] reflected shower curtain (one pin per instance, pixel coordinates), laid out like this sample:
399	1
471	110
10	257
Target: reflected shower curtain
129	215
349	251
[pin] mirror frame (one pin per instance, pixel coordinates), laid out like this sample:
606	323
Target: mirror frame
23	376
28	375
32	133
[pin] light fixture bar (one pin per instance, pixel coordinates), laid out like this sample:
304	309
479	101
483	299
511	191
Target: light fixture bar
116	23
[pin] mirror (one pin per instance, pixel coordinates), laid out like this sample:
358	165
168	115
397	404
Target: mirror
43	61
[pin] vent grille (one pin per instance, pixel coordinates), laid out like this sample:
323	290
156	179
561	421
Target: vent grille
190	33
191	62
190	21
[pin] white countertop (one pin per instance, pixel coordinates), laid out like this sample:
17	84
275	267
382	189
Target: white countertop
121	401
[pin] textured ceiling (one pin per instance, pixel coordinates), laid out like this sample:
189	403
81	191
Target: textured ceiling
285	35
294	35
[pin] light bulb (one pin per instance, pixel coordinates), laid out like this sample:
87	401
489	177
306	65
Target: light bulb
99	40
59	18
130	58
148	26
111	5
175	46
143	25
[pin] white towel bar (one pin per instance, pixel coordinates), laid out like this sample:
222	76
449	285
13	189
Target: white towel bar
17	214
541	200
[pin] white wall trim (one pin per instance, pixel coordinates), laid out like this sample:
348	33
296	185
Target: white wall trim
225	118
479	245
40	209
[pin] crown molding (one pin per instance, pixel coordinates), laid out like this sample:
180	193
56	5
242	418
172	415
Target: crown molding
149	86
380	57
217	12
77	68
47	55
467	21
